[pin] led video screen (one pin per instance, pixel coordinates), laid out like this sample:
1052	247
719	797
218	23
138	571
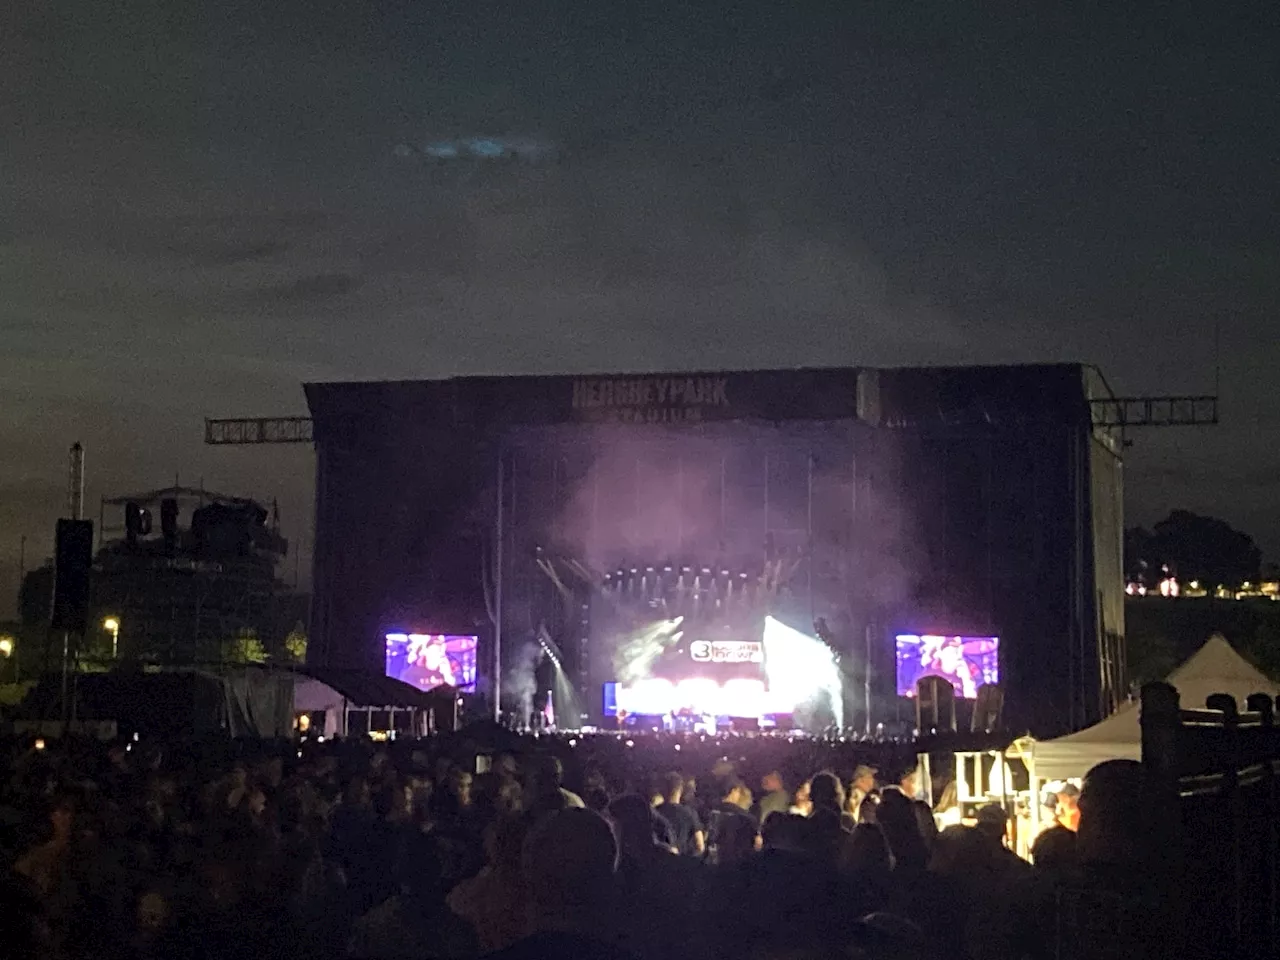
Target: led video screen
429	660
967	662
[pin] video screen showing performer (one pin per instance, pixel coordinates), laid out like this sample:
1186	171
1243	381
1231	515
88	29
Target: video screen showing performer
427	661
966	662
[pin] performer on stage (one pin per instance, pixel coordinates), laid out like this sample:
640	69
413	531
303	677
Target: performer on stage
544	680
429	665
944	657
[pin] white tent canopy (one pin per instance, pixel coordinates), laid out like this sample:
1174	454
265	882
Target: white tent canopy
1215	668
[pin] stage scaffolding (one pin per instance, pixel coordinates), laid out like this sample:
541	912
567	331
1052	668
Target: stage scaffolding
720	526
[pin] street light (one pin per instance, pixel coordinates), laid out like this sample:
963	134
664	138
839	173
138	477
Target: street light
6	646
113	624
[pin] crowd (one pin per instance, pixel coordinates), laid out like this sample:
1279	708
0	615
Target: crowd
563	848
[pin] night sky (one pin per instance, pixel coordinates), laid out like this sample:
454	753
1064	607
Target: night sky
201	207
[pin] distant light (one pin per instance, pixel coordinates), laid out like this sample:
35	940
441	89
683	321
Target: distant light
6	646
111	623
631	743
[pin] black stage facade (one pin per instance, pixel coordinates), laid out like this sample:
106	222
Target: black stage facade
975	501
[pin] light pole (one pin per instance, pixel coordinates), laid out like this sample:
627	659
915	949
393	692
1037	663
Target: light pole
113	624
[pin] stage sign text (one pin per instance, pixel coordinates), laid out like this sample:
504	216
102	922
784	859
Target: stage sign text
651	399
726	651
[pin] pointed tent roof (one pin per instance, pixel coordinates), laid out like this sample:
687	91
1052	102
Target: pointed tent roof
1215	668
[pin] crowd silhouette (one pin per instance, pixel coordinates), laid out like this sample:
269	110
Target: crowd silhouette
652	849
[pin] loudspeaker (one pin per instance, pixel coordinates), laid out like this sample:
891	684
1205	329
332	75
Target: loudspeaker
72	563
935	704
137	522
169	521
987	709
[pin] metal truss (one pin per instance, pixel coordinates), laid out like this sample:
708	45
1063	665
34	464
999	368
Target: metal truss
254	430
1155	412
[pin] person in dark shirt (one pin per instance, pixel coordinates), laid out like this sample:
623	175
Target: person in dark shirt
569	862
687	834
729	818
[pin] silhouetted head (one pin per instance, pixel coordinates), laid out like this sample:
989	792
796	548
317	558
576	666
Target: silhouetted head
826	793
569	861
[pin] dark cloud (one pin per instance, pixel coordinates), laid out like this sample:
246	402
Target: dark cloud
321	286
227	254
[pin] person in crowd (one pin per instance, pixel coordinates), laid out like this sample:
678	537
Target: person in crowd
687	834
495	901
569	861
896	815
46	864
947	812
730	823
861	797
735	839
653	881
828	799
1054	852
547	793
802	804
775	798
829	826
1067	811
909	785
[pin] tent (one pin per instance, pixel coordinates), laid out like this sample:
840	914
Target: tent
340	693
1214	668
240	701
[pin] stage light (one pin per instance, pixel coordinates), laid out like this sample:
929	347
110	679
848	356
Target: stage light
800	668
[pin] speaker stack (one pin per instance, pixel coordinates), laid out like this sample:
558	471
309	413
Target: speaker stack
935	705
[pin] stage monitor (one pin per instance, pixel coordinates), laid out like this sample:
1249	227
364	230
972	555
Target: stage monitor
967	662
429	660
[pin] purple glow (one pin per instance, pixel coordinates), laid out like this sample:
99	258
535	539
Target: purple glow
968	662
427	661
